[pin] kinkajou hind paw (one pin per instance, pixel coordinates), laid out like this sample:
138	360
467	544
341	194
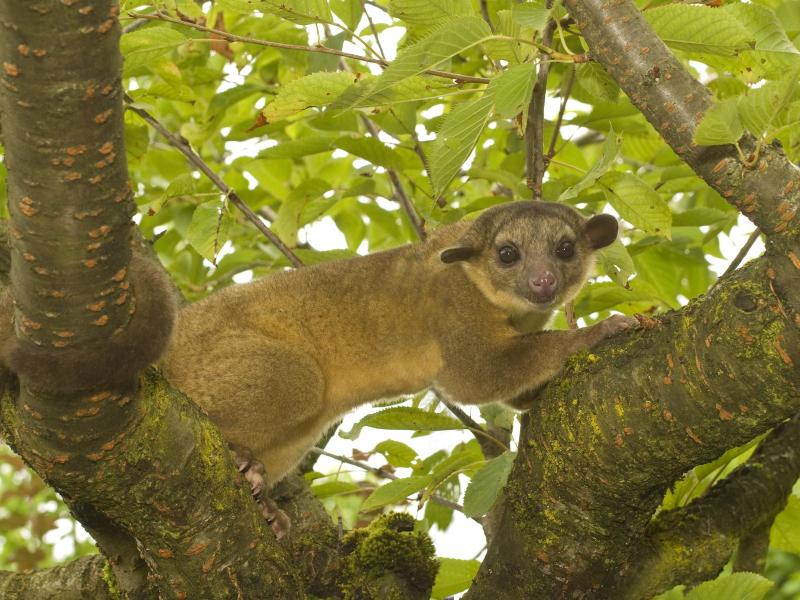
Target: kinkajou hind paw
255	474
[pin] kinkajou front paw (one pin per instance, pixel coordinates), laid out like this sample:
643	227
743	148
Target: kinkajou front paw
614	325
255	474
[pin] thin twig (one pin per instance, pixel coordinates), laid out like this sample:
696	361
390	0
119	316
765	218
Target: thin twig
134	25
485	14
183	146
481	435
386	475
534	133
742	253
320	49
372	28
551	151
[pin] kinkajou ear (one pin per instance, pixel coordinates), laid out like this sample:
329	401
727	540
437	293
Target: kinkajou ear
457	253
601	230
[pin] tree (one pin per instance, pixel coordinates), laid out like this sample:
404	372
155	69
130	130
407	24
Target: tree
455	123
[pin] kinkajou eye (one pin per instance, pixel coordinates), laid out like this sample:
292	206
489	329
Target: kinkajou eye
508	255
566	249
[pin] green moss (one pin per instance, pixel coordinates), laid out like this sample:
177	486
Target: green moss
111	581
388	559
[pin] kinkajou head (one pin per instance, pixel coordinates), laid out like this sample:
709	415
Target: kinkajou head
531	256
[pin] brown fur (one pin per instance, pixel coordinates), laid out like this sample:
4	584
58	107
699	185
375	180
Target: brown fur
111	362
274	362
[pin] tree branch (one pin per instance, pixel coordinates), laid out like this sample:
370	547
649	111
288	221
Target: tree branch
534	132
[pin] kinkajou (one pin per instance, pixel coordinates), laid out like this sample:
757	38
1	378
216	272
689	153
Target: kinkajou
276	361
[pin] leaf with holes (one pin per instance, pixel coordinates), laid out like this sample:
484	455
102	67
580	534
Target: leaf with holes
208	230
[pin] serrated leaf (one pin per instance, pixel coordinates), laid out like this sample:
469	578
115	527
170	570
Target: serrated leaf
760	108
487	484
450	39
317	89
395	491
314	257
412	89
596	82
304	146
785	532
427	13
720	124
334	488
349	11
455	575
303	12
617	263
607	157
737	586
208	230
457	137
465	456
638	203
371	149
397	453
290	212
512	89
404	417
143	46
699	29
530	14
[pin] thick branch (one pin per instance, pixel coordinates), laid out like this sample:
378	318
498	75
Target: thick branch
77	580
692	544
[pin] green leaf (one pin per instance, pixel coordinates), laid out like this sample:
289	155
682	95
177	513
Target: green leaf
428	13
349	11
455	575
404	417
512	89
607	158
785	532
395	491
142	47
317	89
530	14
303	12
737	586
208	230
453	37
596	82
334	488
760	108
456	139
486	485
720	124
699	29
617	263
304	146
371	149
397	453
638	203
